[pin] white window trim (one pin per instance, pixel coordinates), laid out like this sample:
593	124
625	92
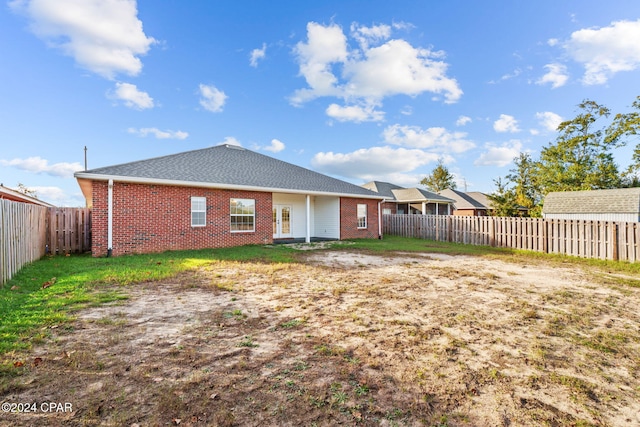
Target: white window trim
204	202
253	215
358	216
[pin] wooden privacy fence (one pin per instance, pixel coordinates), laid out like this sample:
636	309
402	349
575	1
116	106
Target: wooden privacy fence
27	232
587	239
22	236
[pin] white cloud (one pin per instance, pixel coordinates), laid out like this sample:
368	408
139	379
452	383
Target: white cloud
552	42
499	155
211	98
549	120
506	123
436	138
40	165
366	35
463	120
257	54
230	140
354	113
372	163
159	134
132	97
556	75
606	51
58	197
103	36
275	147
371	72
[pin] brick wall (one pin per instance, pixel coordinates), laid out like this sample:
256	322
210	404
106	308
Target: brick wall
156	218
392	206
349	219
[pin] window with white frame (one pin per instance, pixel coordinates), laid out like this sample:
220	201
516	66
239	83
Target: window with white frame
243	214
198	211
362	216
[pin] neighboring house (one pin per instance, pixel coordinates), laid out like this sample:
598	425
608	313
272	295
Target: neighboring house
468	204
400	200
16	196
219	197
621	204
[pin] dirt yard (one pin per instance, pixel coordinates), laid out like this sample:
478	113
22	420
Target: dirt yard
348	338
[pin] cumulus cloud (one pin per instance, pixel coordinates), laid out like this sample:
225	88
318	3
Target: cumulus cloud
371	163
556	76
159	134
549	121
499	155
257	55
275	147
103	36
437	138
506	123
42	166
463	120
132	97
379	67
212	98
606	51
355	113
230	140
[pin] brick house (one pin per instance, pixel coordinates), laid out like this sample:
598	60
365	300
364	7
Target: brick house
220	196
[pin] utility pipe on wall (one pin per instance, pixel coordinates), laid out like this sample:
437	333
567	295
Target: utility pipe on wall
110	219
307	238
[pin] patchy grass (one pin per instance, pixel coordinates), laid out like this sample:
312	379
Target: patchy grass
274	336
49	291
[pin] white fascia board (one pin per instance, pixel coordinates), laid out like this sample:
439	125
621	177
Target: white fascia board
137	180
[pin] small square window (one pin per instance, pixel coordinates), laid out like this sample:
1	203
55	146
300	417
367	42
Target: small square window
243	214
198	211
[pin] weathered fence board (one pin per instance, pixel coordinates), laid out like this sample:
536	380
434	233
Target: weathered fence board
22	236
28	231
586	239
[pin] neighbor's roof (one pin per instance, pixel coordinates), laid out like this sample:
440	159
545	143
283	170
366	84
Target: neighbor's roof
396	193
224	166
472	200
619	200
383	188
419	195
16	196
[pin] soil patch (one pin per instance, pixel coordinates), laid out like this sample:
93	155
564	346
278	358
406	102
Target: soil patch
348	338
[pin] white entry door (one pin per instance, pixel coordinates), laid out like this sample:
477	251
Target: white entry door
281	221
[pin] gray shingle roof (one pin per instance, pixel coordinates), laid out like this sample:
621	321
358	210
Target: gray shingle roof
418	194
400	194
464	200
620	200
383	188
228	165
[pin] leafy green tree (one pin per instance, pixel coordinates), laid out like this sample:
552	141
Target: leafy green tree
503	200
439	179
523	179
581	158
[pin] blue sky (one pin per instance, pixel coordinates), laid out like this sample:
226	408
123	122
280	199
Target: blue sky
359	90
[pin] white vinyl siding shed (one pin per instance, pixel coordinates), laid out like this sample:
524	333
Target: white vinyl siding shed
620	204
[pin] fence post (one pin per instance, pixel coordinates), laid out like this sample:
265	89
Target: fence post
615	242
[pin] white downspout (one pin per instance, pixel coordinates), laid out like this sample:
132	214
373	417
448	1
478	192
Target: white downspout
380	219
110	219
308	236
